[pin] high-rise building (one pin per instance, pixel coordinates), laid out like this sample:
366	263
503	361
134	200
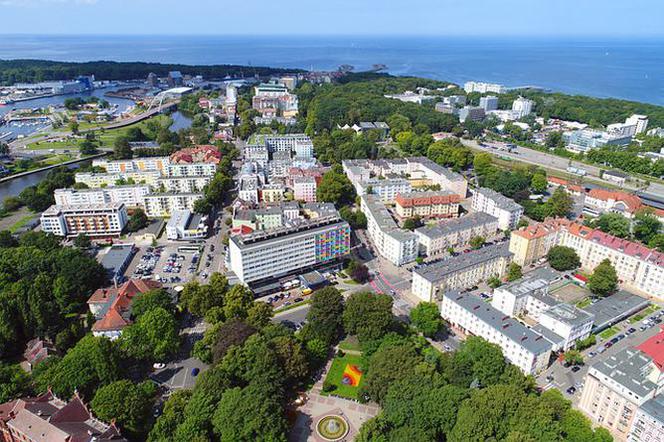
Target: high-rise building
94	220
522	106
495	204
489	103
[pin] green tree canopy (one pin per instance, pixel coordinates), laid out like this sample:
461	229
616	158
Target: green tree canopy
367	315
563	258
426	318
604	280
127	403
154	336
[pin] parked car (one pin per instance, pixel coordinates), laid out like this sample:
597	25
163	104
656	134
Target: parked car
195	371
576	368
158	365
571	390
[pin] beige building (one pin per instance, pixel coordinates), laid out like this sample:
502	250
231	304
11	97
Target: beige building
94	180
272	193
459	272
435	240
434	204
533	242
616	387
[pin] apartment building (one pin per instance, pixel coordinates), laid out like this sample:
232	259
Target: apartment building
471	113
521	346
48	418
418	171
435	240
94	220
304	188
533	242
182	184
483	88
95	180
190	169
599	201
648	423
460	272
262	256
272	193
617	386
396	245
386	190
432	204
274	100
142	164
163	204
129	195
568	322
495	204
522	107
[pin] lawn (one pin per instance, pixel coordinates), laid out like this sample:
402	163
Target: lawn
585	302
609	332
20	223
350	344
639	316
335	377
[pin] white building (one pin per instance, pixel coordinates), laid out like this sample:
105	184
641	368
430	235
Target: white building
648	423
182	184
94	220
396	245
522	106
143	164
506	210
190	169
568	322
521	346
94	180
164	204
460	272
185	225
489	103
304	188
263	256
129	195
385	190
483	88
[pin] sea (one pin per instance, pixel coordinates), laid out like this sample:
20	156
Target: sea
631	69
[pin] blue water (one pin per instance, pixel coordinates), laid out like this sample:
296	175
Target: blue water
630	69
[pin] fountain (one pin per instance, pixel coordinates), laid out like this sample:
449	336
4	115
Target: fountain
332	428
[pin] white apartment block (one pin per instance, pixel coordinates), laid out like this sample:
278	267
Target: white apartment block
94	180
521	346
568	322
182	184
506	210
435	240
263	256
396	245
430	281
483	88
129	195
640	121
145	164
385	190
164	204
648	423
304	188
522	107
190	169
185	225
617	386
94	220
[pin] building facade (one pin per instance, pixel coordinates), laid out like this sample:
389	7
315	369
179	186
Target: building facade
495	204
94	220
435	240
163	204
129	195
432	204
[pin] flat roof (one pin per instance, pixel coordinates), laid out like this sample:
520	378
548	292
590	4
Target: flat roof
436	271
454	225
505	325
279	233
569	314
117	257
655	408
629	368
615	307
538	280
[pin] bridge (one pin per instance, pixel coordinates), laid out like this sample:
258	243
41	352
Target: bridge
135	119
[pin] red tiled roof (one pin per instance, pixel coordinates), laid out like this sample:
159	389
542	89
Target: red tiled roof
205	153
115	317
427	200
542	229
632	202
654	347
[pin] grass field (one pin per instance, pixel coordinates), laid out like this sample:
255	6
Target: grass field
639	316
609	332
20	223
350	344
335	376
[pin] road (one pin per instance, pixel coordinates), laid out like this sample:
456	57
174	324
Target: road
531	156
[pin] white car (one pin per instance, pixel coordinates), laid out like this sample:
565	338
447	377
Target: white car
158	365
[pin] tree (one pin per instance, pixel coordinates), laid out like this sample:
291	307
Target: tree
485	360
614	224
173	415
412	223
229	333
126	403
12	203
560	204
358	271
336	188
554	139
153	337
93	362
426	318
482	163
573	357
14	382
390	363
259	314
356	219
494	282
137	221
237	302
367	315
249	414
122	149
150	300
646	226
73	127
87	147
199	299
476	242
324	319
7	239
514	272
82	241
604	280
538	183
563	258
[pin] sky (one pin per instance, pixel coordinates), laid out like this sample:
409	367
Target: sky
619	18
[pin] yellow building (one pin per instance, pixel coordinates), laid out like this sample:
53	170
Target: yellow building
531	243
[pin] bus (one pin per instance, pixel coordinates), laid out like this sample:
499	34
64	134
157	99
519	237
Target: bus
189	249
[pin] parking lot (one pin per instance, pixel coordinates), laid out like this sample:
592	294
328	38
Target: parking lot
569	380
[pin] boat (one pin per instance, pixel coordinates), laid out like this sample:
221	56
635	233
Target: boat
6	101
